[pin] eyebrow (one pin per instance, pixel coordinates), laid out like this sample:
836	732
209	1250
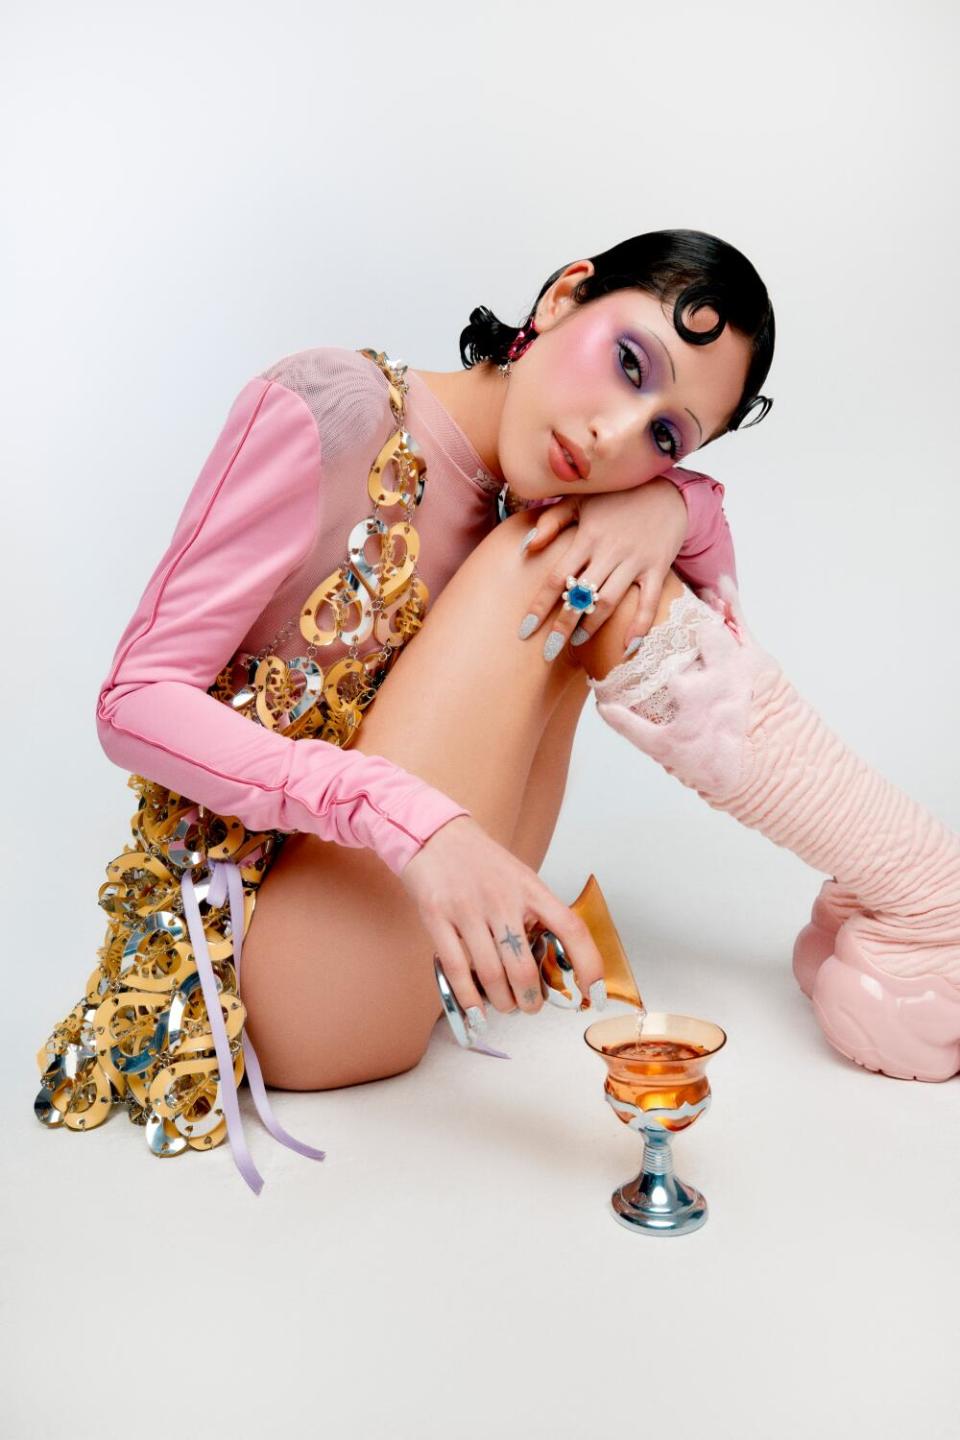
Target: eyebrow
673	371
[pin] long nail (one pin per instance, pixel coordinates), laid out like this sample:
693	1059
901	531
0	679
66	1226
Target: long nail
527	538
476	1020
555	643
634	645
530	623
579	635
598	994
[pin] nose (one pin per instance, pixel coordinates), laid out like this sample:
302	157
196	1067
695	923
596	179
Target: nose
621	431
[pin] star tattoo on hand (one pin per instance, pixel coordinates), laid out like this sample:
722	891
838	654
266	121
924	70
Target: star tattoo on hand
514	941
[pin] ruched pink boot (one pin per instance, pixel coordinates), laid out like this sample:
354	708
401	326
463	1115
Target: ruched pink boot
705	700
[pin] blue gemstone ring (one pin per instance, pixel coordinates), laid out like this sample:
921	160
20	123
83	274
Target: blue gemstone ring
580	595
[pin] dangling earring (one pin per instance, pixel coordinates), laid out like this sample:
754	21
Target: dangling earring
522	341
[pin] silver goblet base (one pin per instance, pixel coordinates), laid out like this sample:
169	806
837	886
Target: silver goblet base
656	1202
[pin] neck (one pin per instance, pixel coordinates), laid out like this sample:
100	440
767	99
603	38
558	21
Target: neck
474	399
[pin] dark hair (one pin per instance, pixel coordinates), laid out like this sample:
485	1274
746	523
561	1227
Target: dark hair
691	268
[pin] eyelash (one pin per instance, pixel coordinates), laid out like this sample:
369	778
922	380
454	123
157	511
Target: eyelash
675	444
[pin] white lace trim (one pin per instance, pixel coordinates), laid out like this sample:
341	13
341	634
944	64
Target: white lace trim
640	682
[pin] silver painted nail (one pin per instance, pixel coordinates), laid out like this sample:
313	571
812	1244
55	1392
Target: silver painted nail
579	635
634	645
555	643
527	538
530	623
598	994
476	1020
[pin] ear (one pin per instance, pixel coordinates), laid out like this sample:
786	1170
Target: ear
558	300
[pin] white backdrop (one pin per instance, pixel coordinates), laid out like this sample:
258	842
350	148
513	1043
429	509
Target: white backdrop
195	190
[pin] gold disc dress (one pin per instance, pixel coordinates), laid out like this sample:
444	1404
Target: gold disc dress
160	1026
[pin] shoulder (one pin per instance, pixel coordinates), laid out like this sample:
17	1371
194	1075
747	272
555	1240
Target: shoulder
682	477
346	393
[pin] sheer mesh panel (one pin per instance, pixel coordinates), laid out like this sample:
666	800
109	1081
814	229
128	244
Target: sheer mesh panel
347	395
349	399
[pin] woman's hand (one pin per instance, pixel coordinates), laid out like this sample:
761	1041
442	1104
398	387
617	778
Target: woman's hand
476	899
623	538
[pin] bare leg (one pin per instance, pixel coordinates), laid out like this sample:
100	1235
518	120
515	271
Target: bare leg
547	780
337	968
600	655
548	775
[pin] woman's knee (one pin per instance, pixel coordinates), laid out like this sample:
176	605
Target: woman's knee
599	655
373	1060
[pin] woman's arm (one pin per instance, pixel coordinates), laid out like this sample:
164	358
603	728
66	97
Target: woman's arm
707	550
249	521
630	537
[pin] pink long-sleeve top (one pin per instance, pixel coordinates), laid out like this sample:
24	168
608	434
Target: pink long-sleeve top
266	520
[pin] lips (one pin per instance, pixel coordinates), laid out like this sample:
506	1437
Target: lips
560	466
580	461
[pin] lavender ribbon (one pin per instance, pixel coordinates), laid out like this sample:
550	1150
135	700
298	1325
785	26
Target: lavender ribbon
226	879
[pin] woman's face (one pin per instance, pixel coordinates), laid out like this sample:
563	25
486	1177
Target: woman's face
615	378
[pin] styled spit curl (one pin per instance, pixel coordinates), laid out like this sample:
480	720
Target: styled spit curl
688	267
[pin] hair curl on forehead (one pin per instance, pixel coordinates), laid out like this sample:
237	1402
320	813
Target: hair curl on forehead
688	268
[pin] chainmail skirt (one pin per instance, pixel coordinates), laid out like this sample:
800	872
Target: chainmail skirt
160	1027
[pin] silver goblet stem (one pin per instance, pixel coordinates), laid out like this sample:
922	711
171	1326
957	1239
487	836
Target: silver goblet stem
656	1202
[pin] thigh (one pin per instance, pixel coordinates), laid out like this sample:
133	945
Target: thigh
337	969
335	929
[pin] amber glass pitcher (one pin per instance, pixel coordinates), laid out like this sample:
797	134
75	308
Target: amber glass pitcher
557	979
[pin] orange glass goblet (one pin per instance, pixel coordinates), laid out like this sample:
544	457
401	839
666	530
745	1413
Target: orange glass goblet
656	1083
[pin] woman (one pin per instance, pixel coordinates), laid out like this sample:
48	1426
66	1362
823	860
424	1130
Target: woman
425	835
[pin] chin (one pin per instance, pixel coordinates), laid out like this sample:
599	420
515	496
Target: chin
523	468
522	492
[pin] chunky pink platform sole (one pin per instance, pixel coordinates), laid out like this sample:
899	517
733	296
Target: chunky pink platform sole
814	944
908	1028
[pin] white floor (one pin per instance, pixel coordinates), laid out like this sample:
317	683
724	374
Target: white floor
452	1268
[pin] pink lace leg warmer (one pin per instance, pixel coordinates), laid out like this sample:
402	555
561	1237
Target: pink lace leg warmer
702	698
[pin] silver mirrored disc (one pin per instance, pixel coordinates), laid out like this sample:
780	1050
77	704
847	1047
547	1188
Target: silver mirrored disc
176	850
159	1141
146	925
356	543
88	1034
45	1110
365	625
145	1056
312	688
415	469
178	1003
